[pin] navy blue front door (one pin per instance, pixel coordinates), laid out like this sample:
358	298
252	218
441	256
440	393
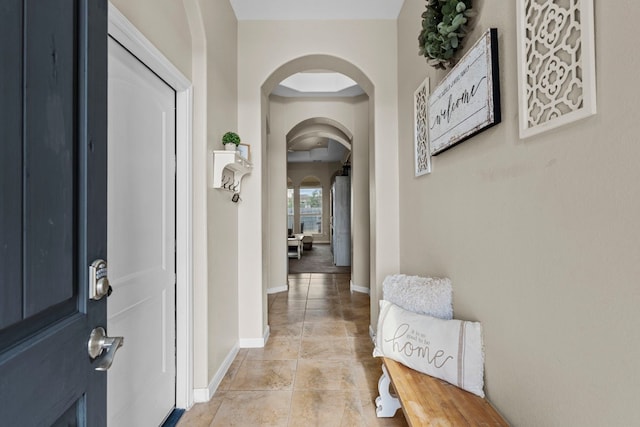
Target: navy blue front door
52	209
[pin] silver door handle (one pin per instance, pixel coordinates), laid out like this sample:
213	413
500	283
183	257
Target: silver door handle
98	343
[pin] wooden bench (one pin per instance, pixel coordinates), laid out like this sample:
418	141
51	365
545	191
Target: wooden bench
429	401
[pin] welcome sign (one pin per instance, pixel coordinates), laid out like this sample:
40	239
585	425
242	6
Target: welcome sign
467	100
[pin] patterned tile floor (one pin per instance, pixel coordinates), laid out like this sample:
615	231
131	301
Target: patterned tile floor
316	369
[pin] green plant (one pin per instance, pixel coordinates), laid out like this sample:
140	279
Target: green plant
443	28
230	138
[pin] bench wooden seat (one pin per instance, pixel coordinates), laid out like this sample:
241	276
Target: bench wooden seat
429	401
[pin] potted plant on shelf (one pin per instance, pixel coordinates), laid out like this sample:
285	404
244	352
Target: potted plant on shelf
230	140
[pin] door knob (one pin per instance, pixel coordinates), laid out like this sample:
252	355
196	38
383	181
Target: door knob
98	343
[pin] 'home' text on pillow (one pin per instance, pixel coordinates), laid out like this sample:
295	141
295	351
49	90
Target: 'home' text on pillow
447	349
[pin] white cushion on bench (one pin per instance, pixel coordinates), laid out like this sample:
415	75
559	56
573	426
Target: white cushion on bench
424	295
447	349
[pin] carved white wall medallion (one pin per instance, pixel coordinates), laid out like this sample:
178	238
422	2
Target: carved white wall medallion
556	63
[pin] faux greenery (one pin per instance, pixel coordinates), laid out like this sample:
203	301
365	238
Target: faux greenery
443	28
230	138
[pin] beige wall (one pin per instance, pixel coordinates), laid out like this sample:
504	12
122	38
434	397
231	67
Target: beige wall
276	260
360	214
539	236
165	24
222	292
263	48
221	334
199	204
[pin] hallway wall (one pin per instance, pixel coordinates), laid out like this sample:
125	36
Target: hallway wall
222	214
539	236
165	24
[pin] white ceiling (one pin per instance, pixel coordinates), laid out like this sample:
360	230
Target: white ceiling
272	10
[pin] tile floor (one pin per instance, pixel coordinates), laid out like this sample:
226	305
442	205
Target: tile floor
316	369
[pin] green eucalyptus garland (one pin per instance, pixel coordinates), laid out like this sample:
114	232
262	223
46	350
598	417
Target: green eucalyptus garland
443	28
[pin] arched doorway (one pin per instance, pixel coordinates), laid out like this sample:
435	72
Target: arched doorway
289	123
261	241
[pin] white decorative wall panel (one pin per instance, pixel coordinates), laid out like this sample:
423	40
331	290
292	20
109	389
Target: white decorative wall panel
556	63
421	129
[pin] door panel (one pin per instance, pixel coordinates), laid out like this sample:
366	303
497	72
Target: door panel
49	152
10	163
141	237
69	418
53	220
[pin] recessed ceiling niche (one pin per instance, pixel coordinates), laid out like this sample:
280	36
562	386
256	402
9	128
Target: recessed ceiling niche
318	139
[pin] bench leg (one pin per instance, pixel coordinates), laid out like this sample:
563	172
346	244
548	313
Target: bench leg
386	403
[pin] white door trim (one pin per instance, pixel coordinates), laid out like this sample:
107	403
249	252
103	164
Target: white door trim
123	31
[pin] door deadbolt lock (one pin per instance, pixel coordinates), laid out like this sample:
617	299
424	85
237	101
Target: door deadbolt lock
98	281
98	343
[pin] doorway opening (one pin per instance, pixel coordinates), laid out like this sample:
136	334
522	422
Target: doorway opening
123	31
301	130
310	221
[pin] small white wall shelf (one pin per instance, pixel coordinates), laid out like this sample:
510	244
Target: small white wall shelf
227	170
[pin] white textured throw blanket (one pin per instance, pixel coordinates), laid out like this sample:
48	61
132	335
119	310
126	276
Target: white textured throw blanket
424	295
447	349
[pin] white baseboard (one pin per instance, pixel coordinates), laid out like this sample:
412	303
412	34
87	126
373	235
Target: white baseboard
284	288
255	342
205	394
360	289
